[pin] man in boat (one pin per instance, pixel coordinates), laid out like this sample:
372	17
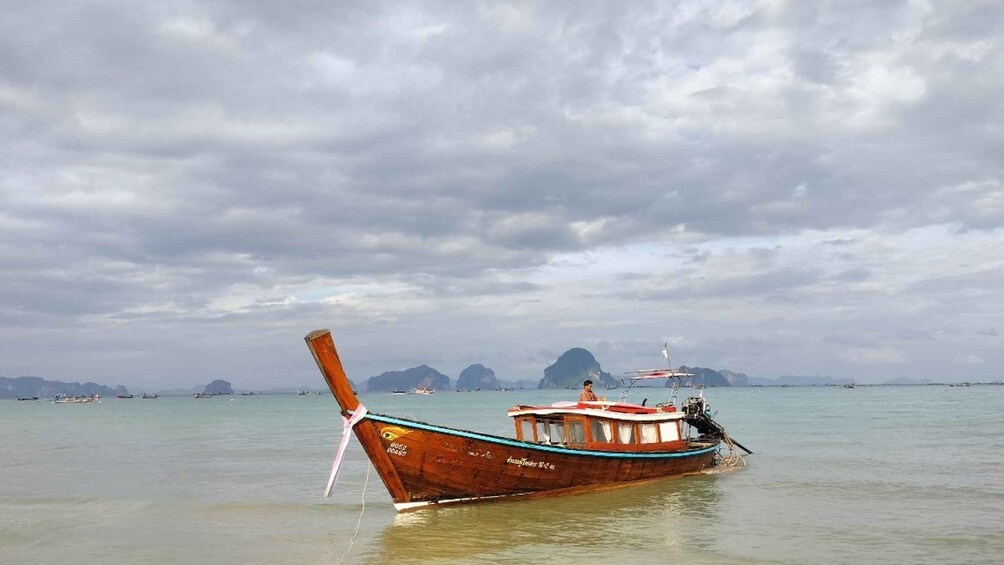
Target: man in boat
587	394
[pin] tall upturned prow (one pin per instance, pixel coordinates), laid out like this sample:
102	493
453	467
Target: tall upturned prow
323	348
562	448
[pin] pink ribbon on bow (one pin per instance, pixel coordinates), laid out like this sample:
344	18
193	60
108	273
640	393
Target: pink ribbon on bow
347	425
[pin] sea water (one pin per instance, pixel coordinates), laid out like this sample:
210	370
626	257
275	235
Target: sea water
911	474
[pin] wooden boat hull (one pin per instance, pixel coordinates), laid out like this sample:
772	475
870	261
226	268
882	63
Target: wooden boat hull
422	464
437	465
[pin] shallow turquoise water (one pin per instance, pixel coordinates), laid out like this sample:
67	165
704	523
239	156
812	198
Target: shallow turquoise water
869	475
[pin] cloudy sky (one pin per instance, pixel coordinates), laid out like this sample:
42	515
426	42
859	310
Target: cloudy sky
188	188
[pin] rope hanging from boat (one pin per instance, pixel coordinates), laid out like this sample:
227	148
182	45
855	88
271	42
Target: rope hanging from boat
347	425
359	522
733	458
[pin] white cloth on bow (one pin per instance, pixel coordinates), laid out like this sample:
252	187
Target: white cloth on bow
347	425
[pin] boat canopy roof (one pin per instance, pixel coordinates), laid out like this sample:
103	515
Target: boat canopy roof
651	374
600	409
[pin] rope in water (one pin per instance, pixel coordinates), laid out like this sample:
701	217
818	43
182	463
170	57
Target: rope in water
359	522
733	458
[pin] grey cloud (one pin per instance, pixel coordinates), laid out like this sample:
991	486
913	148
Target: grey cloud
776	282
212	164
910	334
853	275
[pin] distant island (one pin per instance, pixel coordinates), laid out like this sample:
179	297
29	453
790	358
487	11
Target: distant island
791	380
705	377
219	386
518	384
27	387
572	368
478	377
296	389
569	371
423	376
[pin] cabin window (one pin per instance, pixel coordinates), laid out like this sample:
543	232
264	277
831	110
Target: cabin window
557	433
625	433
577	431
550	432
649	433
601	431
526	429
668	431
543	431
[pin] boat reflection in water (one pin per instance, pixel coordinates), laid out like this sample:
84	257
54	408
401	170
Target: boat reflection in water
561	528
563	448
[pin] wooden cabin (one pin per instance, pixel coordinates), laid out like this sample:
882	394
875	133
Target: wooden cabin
601	426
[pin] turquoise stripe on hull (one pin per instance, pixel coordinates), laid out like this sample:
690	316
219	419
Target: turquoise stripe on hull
536	446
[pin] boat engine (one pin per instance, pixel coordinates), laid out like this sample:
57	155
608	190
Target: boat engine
698	415
696	405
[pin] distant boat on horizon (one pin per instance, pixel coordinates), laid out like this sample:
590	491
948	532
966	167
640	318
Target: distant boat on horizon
148	396
120	395
77	399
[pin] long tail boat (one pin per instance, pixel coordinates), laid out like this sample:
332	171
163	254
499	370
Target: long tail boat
564	448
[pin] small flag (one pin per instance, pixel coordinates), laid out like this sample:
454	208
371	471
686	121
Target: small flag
665	352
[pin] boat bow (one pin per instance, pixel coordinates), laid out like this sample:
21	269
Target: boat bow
323	348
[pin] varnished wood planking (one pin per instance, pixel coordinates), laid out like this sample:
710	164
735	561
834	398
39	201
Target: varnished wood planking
418	462
483	468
